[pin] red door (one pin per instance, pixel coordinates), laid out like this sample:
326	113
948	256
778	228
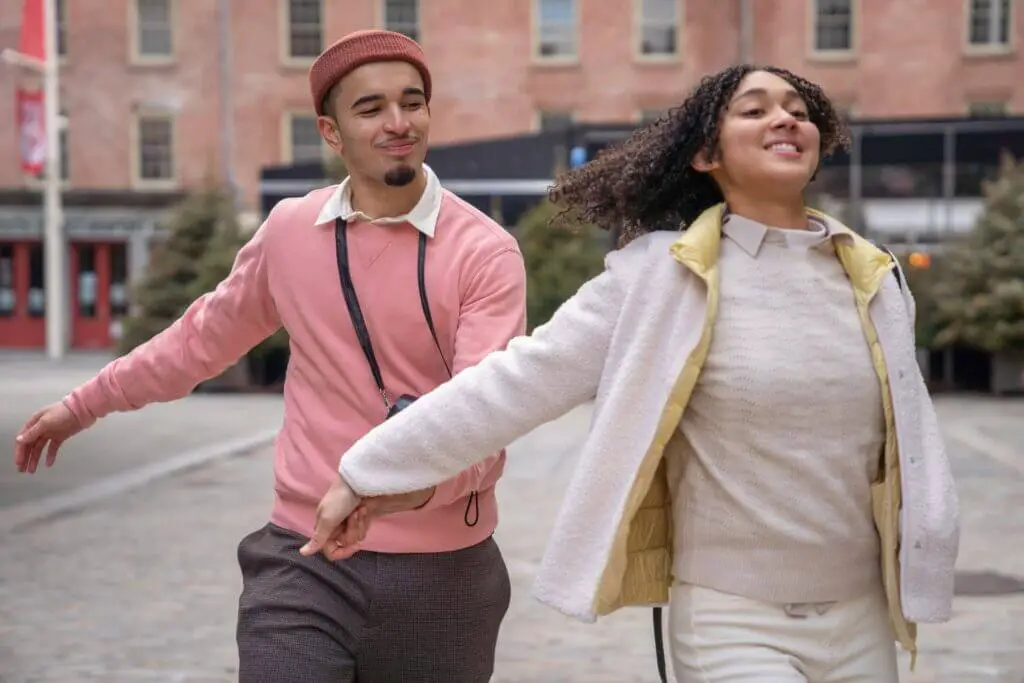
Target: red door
22	298
90	295
99	291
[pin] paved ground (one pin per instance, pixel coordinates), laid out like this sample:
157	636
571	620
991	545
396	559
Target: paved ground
122	441
142	587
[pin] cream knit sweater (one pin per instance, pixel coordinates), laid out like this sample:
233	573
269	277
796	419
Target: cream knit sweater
785	429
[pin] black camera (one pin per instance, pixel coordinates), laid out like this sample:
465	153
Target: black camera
400	404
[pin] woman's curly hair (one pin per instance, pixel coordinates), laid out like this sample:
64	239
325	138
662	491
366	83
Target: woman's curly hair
646	182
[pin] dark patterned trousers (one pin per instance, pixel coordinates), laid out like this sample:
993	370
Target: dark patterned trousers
373	618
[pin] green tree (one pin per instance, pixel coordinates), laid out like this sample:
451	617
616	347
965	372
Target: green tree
558	260
922	282
980	295
170	283
202	241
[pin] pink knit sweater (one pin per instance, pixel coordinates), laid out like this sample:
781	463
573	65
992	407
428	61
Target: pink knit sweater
287	275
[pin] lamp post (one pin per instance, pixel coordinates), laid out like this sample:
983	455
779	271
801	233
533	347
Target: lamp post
53	215
53	212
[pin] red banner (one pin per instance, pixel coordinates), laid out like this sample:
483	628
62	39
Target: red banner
31	43
31	130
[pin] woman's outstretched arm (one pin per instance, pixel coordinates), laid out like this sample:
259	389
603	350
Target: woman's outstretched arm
486	407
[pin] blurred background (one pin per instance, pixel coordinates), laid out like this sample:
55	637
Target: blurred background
160	101
178	124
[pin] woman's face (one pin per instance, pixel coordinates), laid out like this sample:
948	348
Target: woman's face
766	139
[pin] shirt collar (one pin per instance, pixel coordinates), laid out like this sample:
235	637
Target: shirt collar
423	216
749	235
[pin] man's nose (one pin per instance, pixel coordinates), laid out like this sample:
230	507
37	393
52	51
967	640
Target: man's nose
396	123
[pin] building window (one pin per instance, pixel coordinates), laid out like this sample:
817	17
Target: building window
156	147
658	27
304	140
556	28
554	121
833	25
990	23
62	27
403	16
305	33
153	28
987	109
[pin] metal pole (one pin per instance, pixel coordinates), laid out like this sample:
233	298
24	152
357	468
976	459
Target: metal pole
53	227
746	31
227	117
856	183
949	175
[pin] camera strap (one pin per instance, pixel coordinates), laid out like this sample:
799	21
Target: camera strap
352	302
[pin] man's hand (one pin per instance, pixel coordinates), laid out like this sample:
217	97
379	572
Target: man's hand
329	534
47	429
340	539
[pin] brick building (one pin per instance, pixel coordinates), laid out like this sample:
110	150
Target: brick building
160	94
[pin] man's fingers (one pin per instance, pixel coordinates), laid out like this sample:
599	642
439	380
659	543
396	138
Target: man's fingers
30	431
21	454
356	527
26	441
51	452
342	552
37	452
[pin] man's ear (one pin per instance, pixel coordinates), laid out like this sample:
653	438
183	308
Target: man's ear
704	162
330	133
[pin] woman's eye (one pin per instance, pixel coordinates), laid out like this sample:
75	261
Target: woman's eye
753	112
802	115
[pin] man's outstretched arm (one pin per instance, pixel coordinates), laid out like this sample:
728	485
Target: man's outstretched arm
210	336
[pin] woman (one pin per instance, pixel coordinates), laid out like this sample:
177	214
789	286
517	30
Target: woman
764	456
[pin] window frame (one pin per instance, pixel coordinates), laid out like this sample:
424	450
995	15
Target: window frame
136	56
639	24
832	55
536	42
382	13
285	36
138	116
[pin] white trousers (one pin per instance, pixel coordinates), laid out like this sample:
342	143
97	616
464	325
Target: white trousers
720	638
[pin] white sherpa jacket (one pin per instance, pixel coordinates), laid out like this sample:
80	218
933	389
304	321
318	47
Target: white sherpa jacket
635	338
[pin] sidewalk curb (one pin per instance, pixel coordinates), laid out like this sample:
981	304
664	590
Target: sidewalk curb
19	517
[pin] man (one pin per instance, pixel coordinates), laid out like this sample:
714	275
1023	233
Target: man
424	598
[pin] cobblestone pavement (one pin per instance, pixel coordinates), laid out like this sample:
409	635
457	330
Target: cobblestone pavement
120	442
143	587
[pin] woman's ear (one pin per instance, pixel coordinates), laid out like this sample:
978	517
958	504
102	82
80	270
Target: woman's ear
703	162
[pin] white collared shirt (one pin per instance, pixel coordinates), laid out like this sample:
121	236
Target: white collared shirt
749	235
423	216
